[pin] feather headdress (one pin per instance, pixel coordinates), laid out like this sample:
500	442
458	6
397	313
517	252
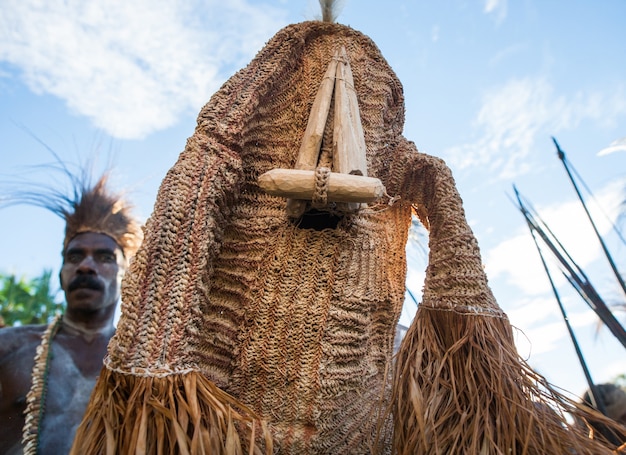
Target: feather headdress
85	207
99	210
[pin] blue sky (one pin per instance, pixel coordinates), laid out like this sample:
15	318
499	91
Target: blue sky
487	83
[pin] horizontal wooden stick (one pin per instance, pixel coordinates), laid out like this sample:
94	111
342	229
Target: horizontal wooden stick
300	184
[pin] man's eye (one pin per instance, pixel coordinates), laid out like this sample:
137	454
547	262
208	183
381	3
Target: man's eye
107	258
73	258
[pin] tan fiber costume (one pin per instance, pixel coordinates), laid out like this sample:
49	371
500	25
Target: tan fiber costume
293	318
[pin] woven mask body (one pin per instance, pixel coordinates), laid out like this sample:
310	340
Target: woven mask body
297	322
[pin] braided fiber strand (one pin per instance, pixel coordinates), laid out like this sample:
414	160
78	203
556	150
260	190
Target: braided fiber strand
150	398
322	176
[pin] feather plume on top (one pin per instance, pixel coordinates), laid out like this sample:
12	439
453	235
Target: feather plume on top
330	10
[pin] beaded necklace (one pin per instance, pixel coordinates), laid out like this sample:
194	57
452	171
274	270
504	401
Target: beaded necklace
36	397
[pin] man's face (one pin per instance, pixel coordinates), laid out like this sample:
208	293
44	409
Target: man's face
91	276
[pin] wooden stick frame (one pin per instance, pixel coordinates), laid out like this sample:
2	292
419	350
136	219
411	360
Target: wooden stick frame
348	186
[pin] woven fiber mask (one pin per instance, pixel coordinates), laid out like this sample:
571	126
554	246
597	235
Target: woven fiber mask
251	326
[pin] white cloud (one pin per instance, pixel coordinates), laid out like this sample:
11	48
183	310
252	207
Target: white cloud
512	116
497	8
532	311
434	33
542	338
507	54
618	145
131	67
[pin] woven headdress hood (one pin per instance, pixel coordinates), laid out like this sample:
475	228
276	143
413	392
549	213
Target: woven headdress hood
235	313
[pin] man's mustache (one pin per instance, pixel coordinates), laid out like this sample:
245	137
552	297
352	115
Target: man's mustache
85	281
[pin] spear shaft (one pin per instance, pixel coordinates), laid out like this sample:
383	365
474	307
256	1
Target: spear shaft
594	395
561	156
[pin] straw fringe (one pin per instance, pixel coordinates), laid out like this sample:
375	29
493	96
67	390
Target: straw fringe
177	414
465	390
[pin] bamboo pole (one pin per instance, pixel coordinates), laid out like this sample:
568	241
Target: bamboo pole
309	152
349	185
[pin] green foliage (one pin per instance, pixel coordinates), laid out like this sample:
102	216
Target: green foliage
620	380
28	301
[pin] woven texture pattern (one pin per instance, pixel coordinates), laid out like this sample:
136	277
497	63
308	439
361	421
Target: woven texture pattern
297	323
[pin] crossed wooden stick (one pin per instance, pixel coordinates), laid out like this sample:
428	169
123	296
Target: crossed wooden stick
347	183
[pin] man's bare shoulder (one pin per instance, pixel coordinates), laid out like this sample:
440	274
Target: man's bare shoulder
13	339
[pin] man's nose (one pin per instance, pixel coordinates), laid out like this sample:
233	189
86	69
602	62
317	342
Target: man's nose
87	266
